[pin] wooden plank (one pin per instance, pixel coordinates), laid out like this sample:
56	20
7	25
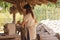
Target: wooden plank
10	29
9	36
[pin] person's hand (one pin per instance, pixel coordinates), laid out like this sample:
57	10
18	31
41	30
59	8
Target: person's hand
22	26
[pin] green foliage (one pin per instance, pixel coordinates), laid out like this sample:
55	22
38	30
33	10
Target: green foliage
5	6
8	18
48	11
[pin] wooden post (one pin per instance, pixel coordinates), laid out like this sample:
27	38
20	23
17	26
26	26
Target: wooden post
13	17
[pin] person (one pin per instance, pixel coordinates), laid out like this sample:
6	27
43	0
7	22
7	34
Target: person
18	27
29	21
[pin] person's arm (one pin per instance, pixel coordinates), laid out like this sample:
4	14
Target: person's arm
35	18
24	22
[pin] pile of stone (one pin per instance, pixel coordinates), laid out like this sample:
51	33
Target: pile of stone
49	30
46	33
52	24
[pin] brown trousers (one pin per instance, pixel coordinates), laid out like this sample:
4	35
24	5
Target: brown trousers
25	34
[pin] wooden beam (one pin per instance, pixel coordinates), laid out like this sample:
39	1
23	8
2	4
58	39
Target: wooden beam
53	1
10	1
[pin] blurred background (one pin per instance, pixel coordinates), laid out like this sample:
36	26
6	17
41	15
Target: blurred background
48	11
